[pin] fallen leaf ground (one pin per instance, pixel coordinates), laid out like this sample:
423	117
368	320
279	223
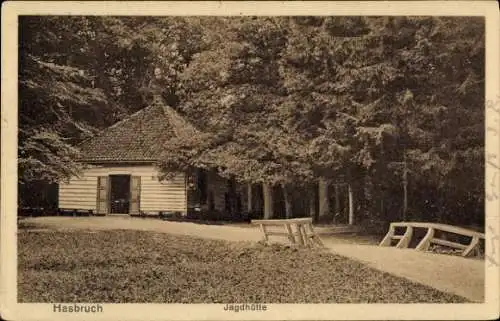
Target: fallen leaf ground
138	267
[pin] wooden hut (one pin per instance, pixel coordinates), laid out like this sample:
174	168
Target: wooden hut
121	176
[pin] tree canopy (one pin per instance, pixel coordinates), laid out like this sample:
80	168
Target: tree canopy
280	100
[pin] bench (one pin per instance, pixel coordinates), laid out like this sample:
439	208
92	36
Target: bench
299	231
74	212
431	238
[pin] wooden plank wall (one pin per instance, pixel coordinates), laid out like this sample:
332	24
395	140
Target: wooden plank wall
81	192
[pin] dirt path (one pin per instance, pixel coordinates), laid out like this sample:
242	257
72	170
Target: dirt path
447	273
452	274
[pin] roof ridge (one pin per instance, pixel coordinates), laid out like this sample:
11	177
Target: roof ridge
139	136
104	130
180	126
142	110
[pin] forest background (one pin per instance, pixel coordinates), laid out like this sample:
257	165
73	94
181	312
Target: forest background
378	104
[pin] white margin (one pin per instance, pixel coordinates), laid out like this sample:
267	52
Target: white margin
11	310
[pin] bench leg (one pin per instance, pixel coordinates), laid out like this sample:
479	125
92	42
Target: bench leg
290	233
304	234
300	239
315	239
426	241
405	240
388	237
473	245
263	229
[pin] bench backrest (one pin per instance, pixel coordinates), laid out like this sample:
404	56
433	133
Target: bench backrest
305	220
441	227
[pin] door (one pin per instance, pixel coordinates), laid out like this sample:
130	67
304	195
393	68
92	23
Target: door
135	194
119	193
102	195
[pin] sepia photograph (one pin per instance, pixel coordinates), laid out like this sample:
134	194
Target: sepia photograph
246	161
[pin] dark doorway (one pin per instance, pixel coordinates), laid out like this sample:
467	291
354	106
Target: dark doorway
120	194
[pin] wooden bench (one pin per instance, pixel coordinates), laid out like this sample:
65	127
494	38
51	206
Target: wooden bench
299	231
74	212
431	238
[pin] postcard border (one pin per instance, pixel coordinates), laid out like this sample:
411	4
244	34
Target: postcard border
10	309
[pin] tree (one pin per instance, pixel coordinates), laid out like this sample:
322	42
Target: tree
376	83
280	101
291	100
54	101
81	74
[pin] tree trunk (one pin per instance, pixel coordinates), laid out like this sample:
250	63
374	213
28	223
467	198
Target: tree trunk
232	197
249	199
405	191
324	201
288	201
267	191
351	205
337	202
382	206
346	205
312	204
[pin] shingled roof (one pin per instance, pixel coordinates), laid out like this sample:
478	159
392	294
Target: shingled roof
139	137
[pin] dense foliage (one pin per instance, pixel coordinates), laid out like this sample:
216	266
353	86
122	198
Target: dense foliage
280	100
81	74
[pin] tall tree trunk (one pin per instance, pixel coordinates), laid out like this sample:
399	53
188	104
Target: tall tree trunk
351	205
382	206
249	199
337	202
346	205
312	203
288	200
232	197
324	200
267	191
405	189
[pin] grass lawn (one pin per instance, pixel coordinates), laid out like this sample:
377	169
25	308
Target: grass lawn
137	267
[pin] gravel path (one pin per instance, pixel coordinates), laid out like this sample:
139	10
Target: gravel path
451	274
